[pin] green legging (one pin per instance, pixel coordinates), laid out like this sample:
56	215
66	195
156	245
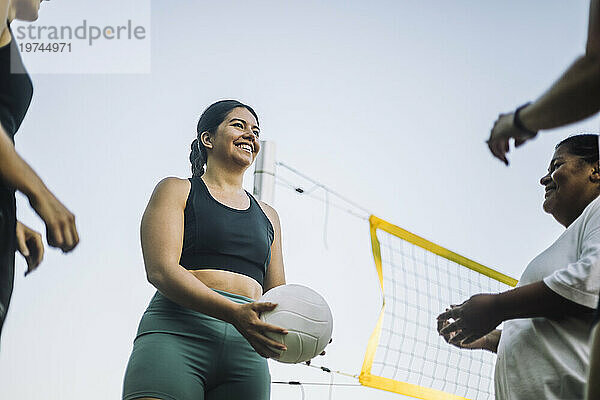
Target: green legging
180	354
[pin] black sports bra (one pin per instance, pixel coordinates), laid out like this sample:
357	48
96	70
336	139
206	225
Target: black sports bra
217	236
16	89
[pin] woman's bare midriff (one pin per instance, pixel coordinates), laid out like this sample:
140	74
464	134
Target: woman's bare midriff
231	282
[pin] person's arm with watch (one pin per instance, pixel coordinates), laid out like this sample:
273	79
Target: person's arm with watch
573	97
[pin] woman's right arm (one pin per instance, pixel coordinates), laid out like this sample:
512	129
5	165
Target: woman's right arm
573	97
488	342
61	230
162	241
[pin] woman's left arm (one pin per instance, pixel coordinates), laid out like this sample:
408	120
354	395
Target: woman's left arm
275	271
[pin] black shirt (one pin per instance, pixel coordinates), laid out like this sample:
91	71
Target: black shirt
15	96
16	88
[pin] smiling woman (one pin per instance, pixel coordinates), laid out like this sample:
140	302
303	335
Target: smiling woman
243	118
211	250
543	349
572	179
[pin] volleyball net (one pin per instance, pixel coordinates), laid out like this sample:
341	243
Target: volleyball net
419	280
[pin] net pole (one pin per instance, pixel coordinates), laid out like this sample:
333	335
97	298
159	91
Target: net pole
264	174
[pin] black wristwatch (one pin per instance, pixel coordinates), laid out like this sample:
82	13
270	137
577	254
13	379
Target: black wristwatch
519	124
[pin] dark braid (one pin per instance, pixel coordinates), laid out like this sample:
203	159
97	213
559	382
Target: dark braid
197	158
210	119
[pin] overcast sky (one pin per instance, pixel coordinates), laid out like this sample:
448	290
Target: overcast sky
386	102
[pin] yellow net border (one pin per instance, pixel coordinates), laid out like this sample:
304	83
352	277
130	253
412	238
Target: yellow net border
379	382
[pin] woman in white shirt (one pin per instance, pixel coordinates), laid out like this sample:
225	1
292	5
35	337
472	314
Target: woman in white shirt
543	348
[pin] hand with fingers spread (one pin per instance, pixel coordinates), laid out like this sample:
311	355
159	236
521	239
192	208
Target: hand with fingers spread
472	319
246	320
61	231
30	245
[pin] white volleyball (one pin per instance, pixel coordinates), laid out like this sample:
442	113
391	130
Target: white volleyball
306	316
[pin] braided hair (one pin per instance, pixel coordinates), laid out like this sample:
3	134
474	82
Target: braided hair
210	119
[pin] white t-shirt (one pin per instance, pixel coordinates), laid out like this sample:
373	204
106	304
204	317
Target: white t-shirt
539	358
